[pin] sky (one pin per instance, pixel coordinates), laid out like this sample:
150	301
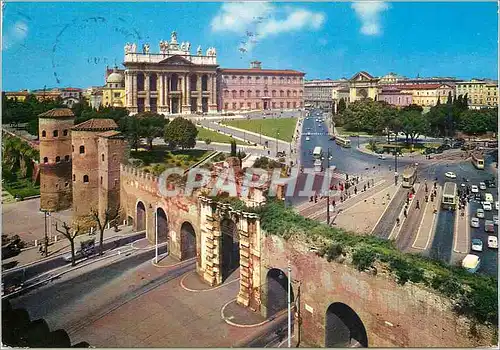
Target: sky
70	44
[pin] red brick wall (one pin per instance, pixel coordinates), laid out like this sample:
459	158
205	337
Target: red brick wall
393	315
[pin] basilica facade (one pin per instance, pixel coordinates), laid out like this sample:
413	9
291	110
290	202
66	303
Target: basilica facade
171	81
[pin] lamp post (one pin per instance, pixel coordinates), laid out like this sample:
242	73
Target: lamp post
395	167
289	305
46	214
276	141
328	194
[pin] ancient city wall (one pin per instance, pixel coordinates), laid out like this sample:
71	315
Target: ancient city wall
393	315
138	186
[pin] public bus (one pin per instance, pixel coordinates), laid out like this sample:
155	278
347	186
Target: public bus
450	198
318	152
343	141
478	160
409	176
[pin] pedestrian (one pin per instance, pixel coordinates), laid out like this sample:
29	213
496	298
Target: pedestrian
407	200
364	188
333	203
355	190
426	189
397	221
405	213
368	183
373	200
426	198
315	198
418	204
311	199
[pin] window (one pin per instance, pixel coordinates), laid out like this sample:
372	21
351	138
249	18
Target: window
74	177
249	105
242	93
82	149
234	93
294	93
281	104
66	184
44	133
85	179
72	148
58	159
249	93
274	80
65	132
234	77
266	93
257	93
45	160
66	158
288	105
234	105
226	93
117	94
101	180
257	105
241	104
287	93
55	133
274	93
249	79
102	157
274	105
226	106
282	93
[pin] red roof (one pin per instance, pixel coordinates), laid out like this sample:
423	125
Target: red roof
96	124
71	89
110	134
260	71
57	113
423	86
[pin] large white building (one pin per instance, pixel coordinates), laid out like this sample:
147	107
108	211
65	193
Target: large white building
318	93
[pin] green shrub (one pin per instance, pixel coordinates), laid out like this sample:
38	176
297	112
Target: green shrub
363	258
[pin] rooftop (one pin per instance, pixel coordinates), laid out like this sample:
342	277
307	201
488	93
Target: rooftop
57	113
96	124
111	134
261	71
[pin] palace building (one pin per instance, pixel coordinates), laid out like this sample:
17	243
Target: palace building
172	81
260	89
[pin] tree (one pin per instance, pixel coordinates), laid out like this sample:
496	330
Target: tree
70	235
181	132
151	125
233	148
413	124
449	101
208	141
342	106
130	127
110	216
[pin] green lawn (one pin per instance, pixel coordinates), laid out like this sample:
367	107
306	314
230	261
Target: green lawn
160	158
214	136
22	188
268	127
342	131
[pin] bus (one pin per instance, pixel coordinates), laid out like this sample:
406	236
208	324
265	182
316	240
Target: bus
318	152
450	198
409	176
343	141
478	160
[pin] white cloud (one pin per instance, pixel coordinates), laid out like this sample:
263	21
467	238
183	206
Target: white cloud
259	20
15	34
369	14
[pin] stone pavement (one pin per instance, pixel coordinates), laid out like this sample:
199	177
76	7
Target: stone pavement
31	255
427	226
25	219
363	216
167	316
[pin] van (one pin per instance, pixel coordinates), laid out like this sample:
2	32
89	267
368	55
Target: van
488	197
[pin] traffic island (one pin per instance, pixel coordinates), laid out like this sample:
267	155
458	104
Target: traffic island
192	282
239	316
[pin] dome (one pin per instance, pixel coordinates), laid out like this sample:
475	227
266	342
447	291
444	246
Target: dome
115	77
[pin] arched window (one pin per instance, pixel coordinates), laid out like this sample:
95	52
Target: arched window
102	157
66	184
287	93
44	133
74	177
234	93
249	93
274	93
65	132
58	159
85	179
257	93
55	133
82	149
242	93
101	180
66	158
226	93
45	160
72	148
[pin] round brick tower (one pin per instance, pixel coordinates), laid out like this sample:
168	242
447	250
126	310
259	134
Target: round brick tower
55	159
86	164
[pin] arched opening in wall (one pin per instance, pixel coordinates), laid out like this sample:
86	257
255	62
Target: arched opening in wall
161	221
204	82
188	239
130	221
141	216
344	328
230	247
44	133
277	291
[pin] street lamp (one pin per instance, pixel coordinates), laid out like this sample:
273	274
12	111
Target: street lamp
328	194
276	141
46	214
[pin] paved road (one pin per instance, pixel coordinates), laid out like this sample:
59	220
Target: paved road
411	224
388	219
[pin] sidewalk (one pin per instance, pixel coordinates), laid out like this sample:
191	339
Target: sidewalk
427	226
62	245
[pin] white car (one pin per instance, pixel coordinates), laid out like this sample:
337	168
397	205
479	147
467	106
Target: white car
307	138
474	189
492	242
477	245
482	186
474	222
495	219
480	213
487	206
450	174
496	205
381	156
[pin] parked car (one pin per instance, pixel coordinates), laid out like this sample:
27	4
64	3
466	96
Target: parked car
474	222
307	138
482	186
480	213
488	197
487	206
474	189
381	156
489	226
479	197
492	242
477	245
450	174
429	151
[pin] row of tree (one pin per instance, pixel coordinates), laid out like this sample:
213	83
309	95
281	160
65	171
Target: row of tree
443	120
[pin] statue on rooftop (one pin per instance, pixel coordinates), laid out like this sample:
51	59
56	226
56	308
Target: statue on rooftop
173	37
